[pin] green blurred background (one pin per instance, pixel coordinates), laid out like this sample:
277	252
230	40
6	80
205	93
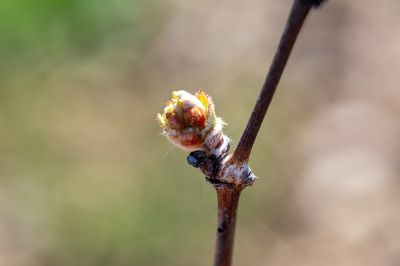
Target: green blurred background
87	179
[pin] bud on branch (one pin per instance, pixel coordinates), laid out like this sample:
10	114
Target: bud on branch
189	122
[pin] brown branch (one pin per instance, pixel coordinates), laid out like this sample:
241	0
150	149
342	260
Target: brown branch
295	21
229	183
228	200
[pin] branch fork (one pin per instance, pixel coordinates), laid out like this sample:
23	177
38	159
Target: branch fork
220	170
231	173
190	123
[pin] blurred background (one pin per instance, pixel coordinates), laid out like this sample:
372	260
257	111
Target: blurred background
87	179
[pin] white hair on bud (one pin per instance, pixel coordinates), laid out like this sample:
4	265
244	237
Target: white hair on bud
188	100
216	141
222	148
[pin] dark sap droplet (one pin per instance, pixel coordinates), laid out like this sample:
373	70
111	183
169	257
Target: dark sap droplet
193	161
195	158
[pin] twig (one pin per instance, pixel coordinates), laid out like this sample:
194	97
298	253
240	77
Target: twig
295	21
228	200
234	174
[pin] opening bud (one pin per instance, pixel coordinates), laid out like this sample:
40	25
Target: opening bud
189	122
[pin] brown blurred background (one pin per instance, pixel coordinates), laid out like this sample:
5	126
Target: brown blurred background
87	179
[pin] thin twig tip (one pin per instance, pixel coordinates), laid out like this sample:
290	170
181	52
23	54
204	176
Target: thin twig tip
314	3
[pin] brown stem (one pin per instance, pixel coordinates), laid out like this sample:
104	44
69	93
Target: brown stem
228	200
298	14
230	175
229	187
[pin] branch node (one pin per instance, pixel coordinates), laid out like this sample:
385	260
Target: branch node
236	173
